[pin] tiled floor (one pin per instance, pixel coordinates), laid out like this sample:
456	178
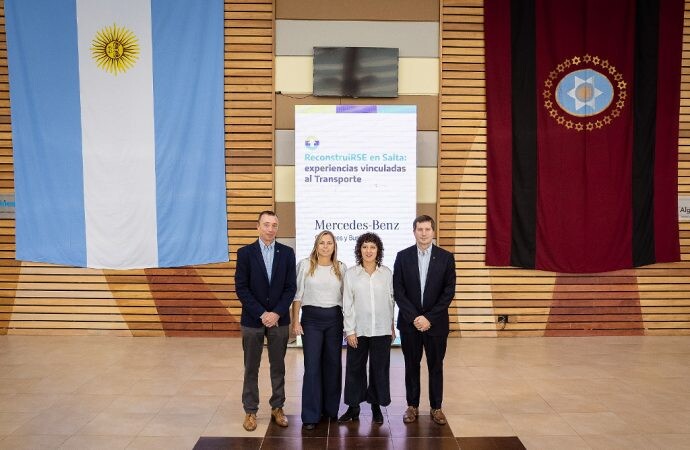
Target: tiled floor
392	434
157	393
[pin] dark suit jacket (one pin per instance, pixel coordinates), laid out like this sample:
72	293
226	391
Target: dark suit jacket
439	289
256	294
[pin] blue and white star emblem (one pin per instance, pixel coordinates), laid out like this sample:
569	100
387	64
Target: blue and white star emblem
584	93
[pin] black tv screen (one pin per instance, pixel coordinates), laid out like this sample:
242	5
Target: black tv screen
355	72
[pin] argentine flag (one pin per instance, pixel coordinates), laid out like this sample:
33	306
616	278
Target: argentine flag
118	131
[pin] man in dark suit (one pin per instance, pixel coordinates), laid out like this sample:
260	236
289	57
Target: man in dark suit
424	286
265	282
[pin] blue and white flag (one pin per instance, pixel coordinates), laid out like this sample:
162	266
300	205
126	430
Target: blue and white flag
118	130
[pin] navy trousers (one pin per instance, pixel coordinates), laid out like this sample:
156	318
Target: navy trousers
322	343
413	344
377	349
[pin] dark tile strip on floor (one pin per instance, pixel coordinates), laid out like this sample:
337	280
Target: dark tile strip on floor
362	434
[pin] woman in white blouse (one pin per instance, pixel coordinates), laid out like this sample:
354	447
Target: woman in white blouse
368	319
320	296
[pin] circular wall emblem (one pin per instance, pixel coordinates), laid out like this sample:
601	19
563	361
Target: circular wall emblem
115	49
584	93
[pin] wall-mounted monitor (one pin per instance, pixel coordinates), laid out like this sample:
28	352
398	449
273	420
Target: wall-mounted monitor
355	72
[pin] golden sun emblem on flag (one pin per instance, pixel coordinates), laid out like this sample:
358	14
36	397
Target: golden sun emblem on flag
115	49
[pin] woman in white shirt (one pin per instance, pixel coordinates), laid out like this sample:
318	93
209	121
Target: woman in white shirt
368	319
320	296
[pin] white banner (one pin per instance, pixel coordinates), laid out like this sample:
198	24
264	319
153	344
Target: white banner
355	172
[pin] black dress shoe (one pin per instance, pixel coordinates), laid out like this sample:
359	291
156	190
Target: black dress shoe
308	426
351	414
377	415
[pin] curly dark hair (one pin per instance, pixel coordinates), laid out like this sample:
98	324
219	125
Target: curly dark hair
374	239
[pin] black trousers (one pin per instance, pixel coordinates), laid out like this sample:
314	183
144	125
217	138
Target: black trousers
378	391
322	344
413	344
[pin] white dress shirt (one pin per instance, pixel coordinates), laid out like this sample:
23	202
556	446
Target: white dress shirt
423	258
322	289
368	302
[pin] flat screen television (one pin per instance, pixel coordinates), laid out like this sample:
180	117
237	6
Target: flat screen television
355	72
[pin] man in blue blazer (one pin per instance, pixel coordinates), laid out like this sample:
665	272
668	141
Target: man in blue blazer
265	282
424	286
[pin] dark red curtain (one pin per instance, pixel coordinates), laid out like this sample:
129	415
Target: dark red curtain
582	122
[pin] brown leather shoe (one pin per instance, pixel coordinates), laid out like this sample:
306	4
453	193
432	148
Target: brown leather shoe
249	422
438	416
411	414
278	417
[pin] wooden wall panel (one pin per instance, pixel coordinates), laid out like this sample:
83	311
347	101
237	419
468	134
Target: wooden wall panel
423	10
648	300
188	301
197	301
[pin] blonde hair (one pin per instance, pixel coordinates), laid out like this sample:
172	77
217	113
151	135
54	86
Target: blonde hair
314	256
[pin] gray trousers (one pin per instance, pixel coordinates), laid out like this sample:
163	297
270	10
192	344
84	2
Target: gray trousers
253	346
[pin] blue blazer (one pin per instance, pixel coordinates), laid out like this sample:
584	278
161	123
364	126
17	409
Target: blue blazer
256	294
439	289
